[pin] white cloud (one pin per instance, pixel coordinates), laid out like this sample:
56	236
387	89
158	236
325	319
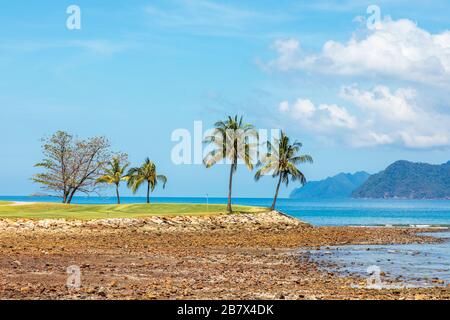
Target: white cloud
397	106
301	109
324	118
337	117
378	117
399	49
284	107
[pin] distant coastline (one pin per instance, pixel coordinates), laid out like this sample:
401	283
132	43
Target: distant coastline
402	180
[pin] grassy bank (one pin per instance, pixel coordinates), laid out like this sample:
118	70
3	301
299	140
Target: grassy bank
86	212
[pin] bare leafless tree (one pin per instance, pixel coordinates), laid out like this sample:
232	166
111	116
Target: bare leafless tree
72	165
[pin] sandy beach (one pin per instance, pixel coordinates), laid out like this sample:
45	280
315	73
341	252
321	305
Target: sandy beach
219	257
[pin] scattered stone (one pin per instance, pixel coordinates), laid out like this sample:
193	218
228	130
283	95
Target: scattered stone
17	263
220	257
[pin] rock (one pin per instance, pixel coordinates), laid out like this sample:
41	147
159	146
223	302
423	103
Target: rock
438	281
17	263
90	290
25	289
101	292
150	296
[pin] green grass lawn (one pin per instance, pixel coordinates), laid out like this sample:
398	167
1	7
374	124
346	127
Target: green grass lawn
3	203
85	212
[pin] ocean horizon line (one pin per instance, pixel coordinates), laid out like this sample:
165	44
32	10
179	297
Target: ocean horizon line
140	197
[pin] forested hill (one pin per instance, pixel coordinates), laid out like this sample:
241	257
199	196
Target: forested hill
408	180
339	186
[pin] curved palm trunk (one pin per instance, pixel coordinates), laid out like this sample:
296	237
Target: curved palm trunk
230	185
148	192
276	195
117	194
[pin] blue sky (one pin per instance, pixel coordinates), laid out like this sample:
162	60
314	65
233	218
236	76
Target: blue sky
137	70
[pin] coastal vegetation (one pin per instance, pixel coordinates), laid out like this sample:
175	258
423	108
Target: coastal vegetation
231	142
88	212
73	165
339	186
146	173
115	173
282	162
408	180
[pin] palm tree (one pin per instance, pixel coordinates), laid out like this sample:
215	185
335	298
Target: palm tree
231	139
282	162
145	173
114	173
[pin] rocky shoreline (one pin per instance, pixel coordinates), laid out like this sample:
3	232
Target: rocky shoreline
246	256
250	221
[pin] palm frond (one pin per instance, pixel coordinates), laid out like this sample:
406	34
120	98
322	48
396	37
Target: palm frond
162	179
285	156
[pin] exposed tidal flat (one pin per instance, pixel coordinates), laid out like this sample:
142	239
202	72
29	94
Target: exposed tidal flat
253	254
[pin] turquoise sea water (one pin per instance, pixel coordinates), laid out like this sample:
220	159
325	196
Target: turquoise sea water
319	212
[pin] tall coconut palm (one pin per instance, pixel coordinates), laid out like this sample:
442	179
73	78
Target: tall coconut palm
231	141
114	173
282	161
145	173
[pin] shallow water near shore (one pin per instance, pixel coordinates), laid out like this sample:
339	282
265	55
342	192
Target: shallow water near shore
411	265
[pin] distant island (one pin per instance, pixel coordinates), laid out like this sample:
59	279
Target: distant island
401	180
40	195
339	186
408	180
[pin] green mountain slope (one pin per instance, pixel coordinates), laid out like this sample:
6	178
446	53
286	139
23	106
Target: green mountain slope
339	186
408	180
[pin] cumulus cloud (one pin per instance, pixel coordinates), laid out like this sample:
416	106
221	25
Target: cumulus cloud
337	117
378	116
397	106
301	109
396	51
324	118
399	49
